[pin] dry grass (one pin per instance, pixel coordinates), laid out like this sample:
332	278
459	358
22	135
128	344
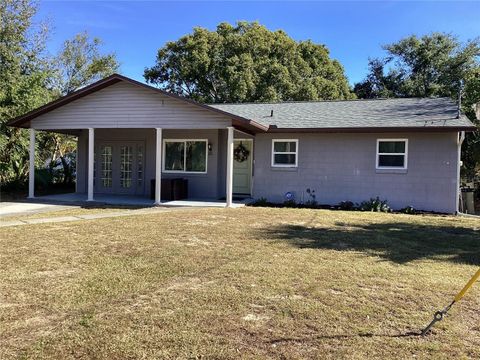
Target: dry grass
250	283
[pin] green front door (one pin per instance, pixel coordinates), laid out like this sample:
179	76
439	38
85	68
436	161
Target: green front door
242	166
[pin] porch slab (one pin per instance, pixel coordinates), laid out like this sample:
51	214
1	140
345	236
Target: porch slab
128	200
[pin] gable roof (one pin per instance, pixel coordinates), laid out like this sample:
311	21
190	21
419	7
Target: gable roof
417	114
23	120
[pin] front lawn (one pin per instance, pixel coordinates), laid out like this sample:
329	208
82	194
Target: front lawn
249	282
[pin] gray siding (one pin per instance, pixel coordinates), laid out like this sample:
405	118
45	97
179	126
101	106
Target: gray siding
124	105
342	167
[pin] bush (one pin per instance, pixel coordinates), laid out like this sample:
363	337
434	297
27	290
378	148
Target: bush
289	203
43	178
375	205
408	210
260	202
312	202
346	205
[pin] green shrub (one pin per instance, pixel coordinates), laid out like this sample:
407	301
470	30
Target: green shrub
260	202
375	205
312	201
289	203
408	210
346	205
43	178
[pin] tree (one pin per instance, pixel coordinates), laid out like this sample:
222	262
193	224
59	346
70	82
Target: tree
25	75
79	63
247	63
432	65
29	78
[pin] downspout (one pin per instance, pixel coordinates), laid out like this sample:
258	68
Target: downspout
460	140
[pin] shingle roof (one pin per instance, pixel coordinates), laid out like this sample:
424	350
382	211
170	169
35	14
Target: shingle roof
378	113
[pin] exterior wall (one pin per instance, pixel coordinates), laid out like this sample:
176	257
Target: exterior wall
82	159
341	167
124	105
202	186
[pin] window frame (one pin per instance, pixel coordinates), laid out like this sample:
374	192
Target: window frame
405	155
288	153
164	153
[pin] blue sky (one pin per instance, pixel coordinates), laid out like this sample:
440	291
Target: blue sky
353	31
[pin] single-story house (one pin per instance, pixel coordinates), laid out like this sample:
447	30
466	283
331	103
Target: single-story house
131	135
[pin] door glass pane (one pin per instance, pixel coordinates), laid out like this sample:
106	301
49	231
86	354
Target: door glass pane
174	155
140	166
126	160
106	166
196	156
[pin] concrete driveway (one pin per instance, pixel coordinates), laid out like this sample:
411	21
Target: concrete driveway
24	207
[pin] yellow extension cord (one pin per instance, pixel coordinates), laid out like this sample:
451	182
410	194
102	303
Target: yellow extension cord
440	314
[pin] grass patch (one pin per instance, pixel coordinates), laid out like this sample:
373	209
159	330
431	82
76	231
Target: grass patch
249	282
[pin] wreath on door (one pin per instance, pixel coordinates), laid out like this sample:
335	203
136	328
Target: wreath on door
240	153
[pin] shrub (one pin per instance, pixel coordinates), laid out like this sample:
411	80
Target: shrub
43	178
290	203
375	205
260	202
346	205
408	210
312	202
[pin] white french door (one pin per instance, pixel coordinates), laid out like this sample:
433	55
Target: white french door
120	167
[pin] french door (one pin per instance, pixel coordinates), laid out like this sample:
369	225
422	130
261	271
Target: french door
120	167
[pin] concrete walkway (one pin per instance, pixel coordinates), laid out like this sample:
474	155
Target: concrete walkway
57	219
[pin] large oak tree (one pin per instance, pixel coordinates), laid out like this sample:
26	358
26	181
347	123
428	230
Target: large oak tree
247	63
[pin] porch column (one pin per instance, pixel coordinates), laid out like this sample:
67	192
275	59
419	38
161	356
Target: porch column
229	186
31	165
91	142
158	168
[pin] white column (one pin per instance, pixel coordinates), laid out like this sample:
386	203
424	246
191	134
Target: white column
31	165
158	168
229	184
91	143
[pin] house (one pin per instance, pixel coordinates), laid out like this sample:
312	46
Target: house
131	135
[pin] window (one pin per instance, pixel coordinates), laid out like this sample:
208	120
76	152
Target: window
392	153
284	153
185	156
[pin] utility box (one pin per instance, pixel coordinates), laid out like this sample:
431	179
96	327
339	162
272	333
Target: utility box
468	200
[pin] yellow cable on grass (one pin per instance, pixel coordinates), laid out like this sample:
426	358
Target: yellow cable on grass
440	314
468	286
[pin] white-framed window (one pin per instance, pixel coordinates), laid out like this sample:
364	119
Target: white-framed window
392	153
285	152
185	156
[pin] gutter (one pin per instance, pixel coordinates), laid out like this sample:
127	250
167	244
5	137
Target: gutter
460	140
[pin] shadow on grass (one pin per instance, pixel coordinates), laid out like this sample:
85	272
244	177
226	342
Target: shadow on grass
399	242
346	336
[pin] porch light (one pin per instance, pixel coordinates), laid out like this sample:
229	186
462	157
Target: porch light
209	147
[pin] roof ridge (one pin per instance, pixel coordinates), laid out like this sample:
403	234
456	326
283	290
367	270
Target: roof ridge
325	101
